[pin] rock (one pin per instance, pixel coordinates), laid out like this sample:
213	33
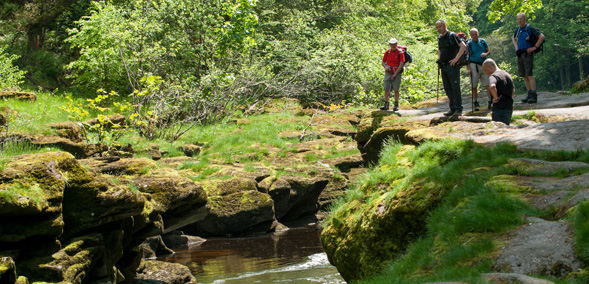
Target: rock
7	270
132	166
176	239
295	196
508	278
359	249
345	163
69	130
533	166
191	150
235	206
153	271
76	149
23	96
371	150
179	200
539	248
154	247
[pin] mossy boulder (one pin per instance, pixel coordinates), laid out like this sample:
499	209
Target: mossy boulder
153	271
295	196
31	196
7	270
179	200
23	96
371	150
235	206
362	239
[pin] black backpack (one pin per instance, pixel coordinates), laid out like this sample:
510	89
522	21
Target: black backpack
532	39
408	57
463	61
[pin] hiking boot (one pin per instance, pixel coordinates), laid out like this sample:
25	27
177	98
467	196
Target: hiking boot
457	113
386	106
396	107
450	113
533	98
476	106
527	98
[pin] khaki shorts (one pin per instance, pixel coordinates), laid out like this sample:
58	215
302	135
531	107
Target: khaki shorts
525	64
478	74
392	84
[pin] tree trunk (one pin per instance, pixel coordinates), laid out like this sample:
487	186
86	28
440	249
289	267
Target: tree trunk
560	67
35	28
567	70
581	73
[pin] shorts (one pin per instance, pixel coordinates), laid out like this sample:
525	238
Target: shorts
525	63
478	74
392	84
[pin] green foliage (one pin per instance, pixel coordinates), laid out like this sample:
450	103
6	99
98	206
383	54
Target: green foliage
500	7
10	76
107	132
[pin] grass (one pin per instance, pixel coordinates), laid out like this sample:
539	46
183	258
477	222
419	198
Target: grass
462	231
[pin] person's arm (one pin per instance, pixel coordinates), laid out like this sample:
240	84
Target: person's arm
541	38
486	53
514	39
460	52
399	69
493	90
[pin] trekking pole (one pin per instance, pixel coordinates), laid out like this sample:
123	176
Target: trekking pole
438	85
471	95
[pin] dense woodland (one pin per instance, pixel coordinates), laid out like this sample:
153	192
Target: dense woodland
192	61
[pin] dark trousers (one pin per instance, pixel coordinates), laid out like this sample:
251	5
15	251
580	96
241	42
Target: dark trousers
451	80
503	115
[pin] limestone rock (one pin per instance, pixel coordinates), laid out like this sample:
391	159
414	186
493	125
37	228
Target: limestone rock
153	271
539	248
295	196
235	206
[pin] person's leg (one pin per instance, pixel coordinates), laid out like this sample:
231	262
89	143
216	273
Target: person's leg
388	84
502	115
456	95
396	88
447	88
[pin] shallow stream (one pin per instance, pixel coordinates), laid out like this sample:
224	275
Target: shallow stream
292	256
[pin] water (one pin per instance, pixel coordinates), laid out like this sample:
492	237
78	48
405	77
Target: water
294	256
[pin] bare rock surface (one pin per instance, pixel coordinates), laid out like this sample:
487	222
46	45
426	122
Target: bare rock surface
507	278
540	247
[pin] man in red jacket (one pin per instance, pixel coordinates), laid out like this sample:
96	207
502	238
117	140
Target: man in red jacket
393	62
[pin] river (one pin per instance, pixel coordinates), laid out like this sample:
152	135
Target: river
292	256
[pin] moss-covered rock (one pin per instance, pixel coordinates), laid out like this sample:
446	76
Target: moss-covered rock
7	270
31	199
23	96
235	205
361	240
153	271
295	196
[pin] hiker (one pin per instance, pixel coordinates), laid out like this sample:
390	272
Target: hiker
393	62
502	90
478	50
450	48
525	56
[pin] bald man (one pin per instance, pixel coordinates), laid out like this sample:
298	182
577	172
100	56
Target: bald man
502	90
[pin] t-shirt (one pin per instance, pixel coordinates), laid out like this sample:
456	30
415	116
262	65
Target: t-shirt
525	33
393	58
476	48
449	46
504	84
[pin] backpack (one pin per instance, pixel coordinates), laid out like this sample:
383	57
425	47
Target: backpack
463	61
532	38
469	46
408	57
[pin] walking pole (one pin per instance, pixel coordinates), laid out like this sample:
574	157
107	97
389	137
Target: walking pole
471	94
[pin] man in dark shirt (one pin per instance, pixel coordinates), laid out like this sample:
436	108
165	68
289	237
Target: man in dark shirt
450	48
502	91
